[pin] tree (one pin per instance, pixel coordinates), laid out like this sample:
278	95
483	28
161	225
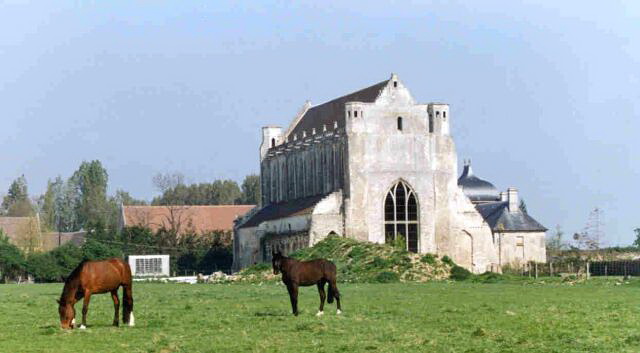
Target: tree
59	206
523	206
226	192
167	181
592	236
12	262
16	203
174	192
555	242
124	198
91	181
93	249
637	241
251	190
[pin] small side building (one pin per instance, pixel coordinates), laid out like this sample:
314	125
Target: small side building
517	237
186	218
23	232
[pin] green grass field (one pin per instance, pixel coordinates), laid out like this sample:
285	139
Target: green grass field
439	316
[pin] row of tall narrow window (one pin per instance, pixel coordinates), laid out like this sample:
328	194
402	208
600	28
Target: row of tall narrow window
303	173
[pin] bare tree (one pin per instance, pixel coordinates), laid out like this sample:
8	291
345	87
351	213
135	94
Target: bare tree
167	181
592	237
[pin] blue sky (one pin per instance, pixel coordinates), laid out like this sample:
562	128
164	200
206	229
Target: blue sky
544	96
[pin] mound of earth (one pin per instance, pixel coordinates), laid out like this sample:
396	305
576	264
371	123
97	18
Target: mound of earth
364	262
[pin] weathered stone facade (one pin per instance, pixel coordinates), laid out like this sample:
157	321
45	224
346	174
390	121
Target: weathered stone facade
373	165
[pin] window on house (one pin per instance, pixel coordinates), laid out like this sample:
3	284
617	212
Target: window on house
395	84
401	216
355	113
400	123
273	143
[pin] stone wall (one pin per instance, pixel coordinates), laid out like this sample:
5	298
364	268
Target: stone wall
517	248
285	243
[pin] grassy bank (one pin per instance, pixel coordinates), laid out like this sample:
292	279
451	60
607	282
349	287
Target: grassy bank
597	316
365	262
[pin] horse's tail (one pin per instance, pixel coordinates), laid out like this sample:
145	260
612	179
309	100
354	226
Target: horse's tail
330	274
330	295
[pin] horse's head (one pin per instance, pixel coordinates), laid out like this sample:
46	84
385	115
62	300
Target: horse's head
276	261
67	314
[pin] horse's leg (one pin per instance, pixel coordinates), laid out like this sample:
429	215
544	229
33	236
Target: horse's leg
322	297
127	298
293	295
336	294
116	307
85	308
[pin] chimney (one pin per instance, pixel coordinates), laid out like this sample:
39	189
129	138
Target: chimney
512	197
503	196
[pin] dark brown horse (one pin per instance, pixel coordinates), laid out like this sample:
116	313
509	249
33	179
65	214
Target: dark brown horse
95	277
307	273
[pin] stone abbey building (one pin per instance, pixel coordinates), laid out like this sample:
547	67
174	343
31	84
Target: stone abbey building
376	166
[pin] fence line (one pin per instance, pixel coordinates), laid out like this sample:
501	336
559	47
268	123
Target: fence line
579	268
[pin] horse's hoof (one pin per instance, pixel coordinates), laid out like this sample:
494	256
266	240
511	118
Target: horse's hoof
320	313
338	312
82	327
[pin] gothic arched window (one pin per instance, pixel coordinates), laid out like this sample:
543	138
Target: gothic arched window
401	216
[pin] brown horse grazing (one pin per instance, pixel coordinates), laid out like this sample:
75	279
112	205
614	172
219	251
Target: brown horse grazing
94	277
307	273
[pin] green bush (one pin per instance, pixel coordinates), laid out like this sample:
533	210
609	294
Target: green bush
447	260
428	259
12	262
490	277
356	253
257	269
400	242
387	277
379	262
44	268
95	250
459	273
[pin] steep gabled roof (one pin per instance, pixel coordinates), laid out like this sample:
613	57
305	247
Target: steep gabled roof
497	215
16	227
333	111
201	219
284	209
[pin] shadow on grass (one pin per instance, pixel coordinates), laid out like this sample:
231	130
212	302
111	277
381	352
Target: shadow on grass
271	313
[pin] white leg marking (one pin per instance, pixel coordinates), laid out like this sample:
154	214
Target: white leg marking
73	322
339	312
132	320
320	313
83	327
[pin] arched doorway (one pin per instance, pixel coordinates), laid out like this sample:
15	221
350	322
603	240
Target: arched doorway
401	216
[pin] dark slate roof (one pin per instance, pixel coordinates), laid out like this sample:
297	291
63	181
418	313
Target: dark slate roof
497	215
284	209
476	189
329	112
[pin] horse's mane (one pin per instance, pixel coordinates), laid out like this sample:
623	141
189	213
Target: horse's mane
71	280
76	272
